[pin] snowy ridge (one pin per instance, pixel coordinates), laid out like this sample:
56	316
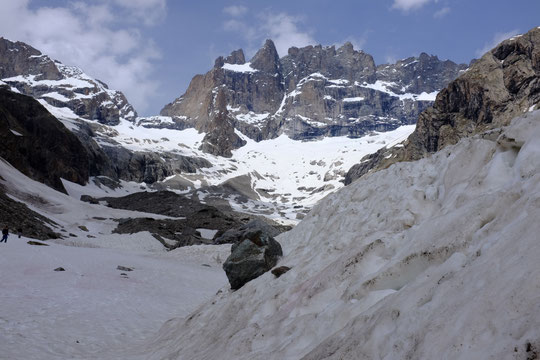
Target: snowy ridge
67	86
385	86
424	260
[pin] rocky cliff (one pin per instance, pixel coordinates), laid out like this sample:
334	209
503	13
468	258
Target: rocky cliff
37	144
504	83
221	138
33	73
311	92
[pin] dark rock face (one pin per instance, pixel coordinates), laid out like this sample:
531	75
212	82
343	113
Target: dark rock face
19	58
150	167
503	84
312	92
26	69
221	138
37	144
343	63
251	258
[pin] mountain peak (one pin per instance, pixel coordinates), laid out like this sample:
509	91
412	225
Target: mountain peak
267	58
28	70
18	58
347	47
236	57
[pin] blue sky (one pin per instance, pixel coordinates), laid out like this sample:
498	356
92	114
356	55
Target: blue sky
150	49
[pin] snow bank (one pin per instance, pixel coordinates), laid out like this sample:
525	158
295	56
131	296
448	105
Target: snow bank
431	259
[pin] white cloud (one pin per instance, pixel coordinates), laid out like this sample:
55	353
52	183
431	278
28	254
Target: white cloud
497	38
406	5
96	38
390	59
235	10
442	12
282	28
357	42
148	11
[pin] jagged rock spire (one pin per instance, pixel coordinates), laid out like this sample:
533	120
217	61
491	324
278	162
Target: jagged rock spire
267	58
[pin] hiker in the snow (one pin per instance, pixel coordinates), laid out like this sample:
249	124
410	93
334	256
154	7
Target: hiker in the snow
19	230
5	233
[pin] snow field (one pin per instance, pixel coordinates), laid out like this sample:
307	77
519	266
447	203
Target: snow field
91	311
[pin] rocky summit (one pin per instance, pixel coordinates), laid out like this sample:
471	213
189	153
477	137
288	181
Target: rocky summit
32	73
311	92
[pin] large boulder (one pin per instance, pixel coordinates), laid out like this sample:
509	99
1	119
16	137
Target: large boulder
234	236
250	258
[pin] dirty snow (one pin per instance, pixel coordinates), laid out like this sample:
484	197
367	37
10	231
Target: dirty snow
431	259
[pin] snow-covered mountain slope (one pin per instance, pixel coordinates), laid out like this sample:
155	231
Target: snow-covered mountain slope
32	73
279	178
431	259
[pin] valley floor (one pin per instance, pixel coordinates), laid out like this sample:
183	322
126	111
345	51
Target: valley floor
91	310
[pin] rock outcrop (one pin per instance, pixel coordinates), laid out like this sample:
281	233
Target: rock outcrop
221	138
37	144
250	258
190	215
35	74
311	92
503	84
